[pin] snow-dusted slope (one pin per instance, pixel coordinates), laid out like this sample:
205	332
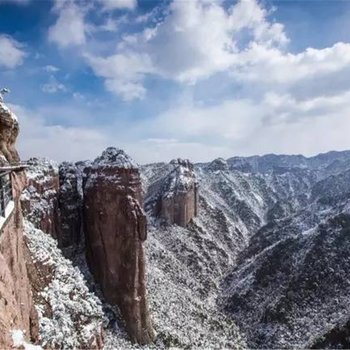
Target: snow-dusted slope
70	316
253	251
290	286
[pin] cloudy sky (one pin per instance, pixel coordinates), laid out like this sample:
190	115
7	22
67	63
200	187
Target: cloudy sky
182	78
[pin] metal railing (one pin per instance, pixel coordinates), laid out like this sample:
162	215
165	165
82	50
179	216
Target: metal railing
5	191
14	166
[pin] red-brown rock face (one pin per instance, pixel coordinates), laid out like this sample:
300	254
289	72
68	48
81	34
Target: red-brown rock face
115	228
17	311
174	198
70	204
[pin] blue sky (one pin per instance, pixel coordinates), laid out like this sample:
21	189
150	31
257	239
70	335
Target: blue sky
182	78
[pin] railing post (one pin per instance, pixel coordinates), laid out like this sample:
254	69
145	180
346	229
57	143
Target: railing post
6	194
2	199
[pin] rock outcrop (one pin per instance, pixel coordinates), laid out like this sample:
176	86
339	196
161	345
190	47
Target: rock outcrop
40	198
115	228
9	130
17	310
70	204
174	198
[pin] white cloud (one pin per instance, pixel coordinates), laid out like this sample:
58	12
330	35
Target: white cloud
276	124
53	87
70	28
12	53
194	41
118	4
260	63
198	39
51	69
37	139
122	73
281	101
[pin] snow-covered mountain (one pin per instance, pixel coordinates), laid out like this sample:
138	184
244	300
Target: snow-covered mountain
269	247
245	252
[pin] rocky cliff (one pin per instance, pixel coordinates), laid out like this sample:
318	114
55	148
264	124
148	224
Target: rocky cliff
70	316
17	310
174	197
40	198
71	204
115	229
9	130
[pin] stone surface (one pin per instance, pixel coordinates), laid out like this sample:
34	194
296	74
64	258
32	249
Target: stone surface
40	198
115	228
9	130
70	204
70	315
174	197
16	304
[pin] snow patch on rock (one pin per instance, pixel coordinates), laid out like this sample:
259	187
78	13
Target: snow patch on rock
115	157
19	341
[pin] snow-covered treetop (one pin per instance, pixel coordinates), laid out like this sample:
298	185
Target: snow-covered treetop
115	157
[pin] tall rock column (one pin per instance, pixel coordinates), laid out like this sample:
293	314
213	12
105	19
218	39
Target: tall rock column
115	228
174	198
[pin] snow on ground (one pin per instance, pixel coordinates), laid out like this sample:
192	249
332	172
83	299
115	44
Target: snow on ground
182	302
20	342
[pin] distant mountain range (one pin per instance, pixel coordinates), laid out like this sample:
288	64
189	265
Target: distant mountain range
270	245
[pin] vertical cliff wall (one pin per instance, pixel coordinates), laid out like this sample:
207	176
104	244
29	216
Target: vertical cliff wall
70	204
17	310
115	229
40	198
174	198
9	130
